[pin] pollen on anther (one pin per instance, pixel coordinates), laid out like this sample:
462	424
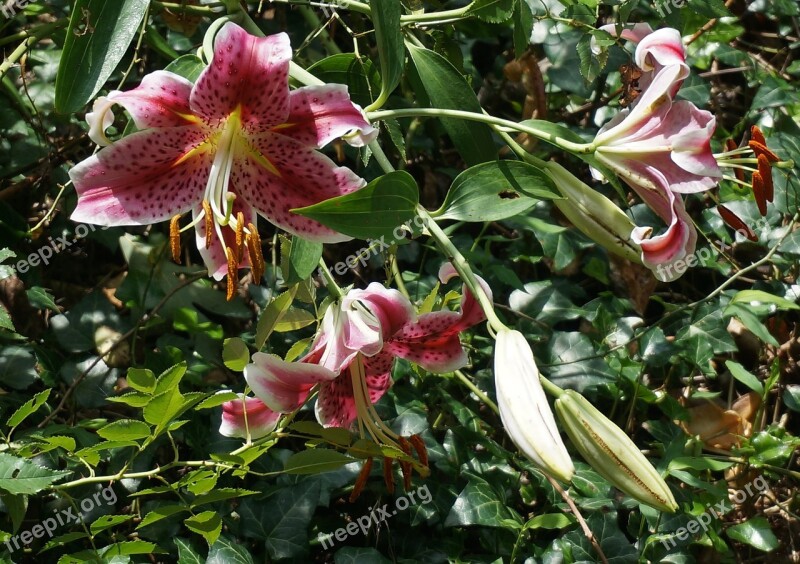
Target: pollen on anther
736	222
759	192
765	170
209	222
361	481
175	238
388	477
233	273
239	236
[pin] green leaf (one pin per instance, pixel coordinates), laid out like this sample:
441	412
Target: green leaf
28	408
125	430
42	299
107	521
359	74
550	521
221	494
740	373
163	408
130	547
755	532
20	476
187	66
17	506
791	397
200	481
235	354
523	26
226	551
170	378
187	554
276	309
759	296
372	212
386	19
492	11
295	319
316	461
496	190
207	523
98	37
215	400
142	380
447	89
478	504
303	260
160	513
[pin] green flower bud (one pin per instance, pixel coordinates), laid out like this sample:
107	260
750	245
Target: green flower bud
611	452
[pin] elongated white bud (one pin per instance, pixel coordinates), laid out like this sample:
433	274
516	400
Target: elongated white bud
523	406
611	452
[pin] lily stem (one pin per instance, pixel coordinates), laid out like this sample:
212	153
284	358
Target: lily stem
477	391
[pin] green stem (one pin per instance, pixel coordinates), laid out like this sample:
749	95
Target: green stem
205	11
330	283
477	391
23	47
46	29
550	388
484	118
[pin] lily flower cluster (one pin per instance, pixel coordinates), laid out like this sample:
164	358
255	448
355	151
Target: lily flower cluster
235	144
662	149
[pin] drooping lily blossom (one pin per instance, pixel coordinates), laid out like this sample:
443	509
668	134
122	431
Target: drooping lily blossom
235	144
352	355
247	415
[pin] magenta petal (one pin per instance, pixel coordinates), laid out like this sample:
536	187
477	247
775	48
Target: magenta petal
248	72
392	308
306	177
243	414
161	100
471	311
283	386
661	48
141	179
439	353
336	405
320	114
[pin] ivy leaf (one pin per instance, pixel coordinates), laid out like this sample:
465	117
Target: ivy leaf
478	504
225	551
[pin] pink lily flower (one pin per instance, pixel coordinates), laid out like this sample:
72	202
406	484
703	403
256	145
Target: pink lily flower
661	148
247	414
352	355
235	144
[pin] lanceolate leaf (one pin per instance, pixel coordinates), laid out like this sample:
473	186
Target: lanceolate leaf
372	212
98	36
446	88
386	19
493	191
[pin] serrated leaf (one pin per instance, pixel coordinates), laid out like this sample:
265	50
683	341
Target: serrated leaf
141	379
170	378
207	523
17	506
216	400
28	408
98	37
107	521
496	190
160	513
221	494
492	11
163	408
316	461
129	548
133	399
371	212
20	476
125	430
235	354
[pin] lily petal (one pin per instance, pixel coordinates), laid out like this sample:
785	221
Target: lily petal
215	257
283	386
392	308
143	178
246	72
161	100
304	177
243	414
320	114
336	402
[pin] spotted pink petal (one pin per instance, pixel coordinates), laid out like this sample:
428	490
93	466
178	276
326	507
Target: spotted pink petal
215	257
336	404
320	114
143	178
246	72
243	414
305	177
439	352
471	311
283	386
342	335
161	100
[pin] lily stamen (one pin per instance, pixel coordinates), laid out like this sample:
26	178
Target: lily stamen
175	238
361	481
233	273
209	222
